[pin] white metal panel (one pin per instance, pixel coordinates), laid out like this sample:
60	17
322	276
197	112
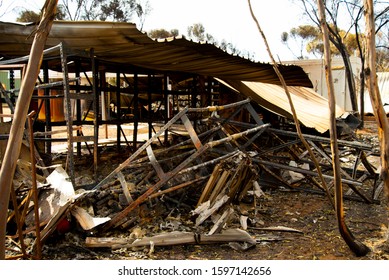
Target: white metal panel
312	109
383	85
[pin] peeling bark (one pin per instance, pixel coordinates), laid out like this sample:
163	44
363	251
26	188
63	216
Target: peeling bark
21	110
374	92
356	246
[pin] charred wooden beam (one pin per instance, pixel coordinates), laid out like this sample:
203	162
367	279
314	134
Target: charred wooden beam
352	144
303	171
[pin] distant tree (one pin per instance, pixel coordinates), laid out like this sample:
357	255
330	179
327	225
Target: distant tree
162	33
334	10
74	8
116	10
28	16
310	39
302	35
142	11
382	60
233	49
31	16
382	49
197	32
60	15
351	11
106	10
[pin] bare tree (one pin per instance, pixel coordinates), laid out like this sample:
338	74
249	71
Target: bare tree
112	10
356	246
1	4
375	97
143	10
333	10
292	108
339	12
355	10
7	7
75	12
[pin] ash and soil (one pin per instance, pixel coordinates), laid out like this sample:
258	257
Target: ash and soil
308	212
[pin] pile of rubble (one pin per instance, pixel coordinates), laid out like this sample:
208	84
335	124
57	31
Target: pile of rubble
190	192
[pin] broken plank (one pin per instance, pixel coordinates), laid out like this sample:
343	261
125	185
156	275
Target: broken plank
181	238
208	212
304	171
211	182
219	186
218	226
85	220
278	228
124	185
104	242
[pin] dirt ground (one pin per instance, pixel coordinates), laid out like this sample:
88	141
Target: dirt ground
310	213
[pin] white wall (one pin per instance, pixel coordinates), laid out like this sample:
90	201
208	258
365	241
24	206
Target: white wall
316	72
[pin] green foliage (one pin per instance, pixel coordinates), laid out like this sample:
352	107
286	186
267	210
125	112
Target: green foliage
350	15
115	10
104	10
310	38
31	16
162	33
382	60
197	32
305	32
28	16
304	36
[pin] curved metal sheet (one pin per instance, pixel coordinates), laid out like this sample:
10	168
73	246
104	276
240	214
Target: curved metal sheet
123	43
312	109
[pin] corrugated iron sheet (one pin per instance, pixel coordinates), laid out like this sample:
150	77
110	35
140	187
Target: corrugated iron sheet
123	43
312	109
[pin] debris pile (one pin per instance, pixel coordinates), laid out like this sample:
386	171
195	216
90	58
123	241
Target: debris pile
191	192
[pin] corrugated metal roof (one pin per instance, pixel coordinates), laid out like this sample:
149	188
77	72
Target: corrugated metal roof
123	43
312	109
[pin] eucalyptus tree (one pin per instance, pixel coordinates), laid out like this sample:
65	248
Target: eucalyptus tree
343	22
303	36
162	33
105	10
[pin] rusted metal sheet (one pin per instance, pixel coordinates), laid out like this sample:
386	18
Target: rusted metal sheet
123	43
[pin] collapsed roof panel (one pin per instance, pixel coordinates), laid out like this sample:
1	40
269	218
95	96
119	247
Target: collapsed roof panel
123	43
312	109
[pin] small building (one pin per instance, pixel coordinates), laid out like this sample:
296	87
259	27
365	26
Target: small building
316	72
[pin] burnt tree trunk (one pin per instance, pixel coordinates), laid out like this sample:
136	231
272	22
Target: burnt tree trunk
21	110
375	97
294	113
356	246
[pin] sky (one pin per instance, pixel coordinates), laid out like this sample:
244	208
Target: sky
228	20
